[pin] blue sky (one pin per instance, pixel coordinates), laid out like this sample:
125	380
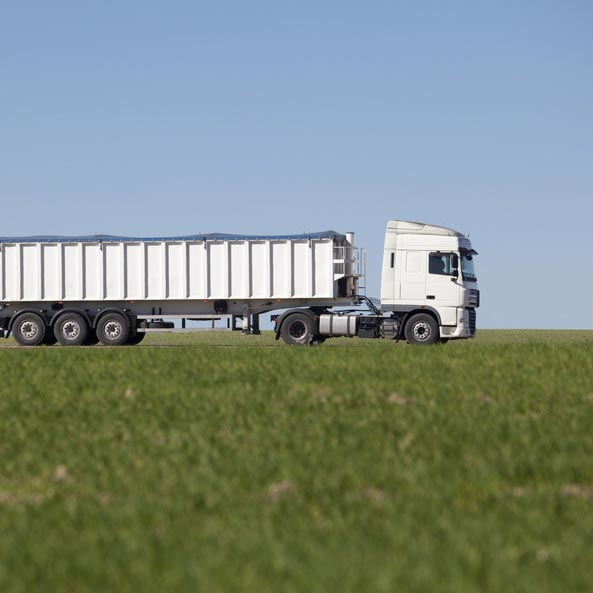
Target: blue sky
275	116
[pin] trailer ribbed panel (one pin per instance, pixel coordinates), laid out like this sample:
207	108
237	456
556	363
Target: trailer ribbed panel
30	281
301	270
167	270
260	268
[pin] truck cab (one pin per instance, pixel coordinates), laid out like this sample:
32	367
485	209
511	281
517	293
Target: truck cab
430	269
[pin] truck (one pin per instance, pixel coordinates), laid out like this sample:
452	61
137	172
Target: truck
114	289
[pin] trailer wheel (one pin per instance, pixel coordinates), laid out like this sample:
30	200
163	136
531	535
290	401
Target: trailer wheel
28	329
113	329
298	330
71	329
422	329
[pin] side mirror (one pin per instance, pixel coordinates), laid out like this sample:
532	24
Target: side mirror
455	266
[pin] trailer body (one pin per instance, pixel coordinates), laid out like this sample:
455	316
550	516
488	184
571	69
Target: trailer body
197	268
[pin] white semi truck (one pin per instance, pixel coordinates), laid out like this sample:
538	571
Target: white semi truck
115	290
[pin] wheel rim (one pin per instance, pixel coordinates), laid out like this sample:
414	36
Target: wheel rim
113	330
422	331
29	330
71	330
297	330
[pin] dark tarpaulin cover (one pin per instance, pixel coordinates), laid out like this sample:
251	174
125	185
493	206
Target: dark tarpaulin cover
201	237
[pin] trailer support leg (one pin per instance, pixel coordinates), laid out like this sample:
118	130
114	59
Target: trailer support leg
255	325
245	328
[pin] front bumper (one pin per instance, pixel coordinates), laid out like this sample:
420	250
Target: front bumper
465	328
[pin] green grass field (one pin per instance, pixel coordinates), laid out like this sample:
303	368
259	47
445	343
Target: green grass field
229	463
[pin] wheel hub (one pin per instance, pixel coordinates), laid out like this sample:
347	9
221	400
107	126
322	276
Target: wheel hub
71	330
29	330
297	330
113	330
422	331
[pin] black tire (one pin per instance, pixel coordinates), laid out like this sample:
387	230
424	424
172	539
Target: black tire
91	339
136	338
298	329
113	329
71	329
50	339
29	329
422	329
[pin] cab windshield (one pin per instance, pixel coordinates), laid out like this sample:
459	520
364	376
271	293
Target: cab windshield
467	265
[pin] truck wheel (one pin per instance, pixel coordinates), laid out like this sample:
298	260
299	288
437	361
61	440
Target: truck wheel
28	329
298	330
71	329
113	329
422	329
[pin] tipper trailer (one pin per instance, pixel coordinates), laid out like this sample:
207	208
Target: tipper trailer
81	290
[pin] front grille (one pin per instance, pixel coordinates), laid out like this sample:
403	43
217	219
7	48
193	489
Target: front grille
473	299
471	313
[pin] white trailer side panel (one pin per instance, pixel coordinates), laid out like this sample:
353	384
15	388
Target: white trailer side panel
51	272
281	269
260	268
168	270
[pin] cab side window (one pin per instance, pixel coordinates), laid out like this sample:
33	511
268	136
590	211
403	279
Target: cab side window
443	264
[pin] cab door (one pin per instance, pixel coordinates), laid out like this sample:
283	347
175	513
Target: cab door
442	282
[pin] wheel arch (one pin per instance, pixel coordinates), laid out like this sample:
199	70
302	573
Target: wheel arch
84	314
409	314
125	314
20	312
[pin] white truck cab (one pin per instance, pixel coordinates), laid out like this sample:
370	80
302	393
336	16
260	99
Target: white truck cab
428	267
